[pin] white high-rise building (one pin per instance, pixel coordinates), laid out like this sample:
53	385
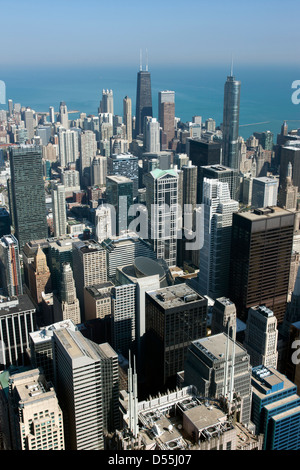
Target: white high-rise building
107	102
71	180
63	115
261	337
68	146
152	135
59	210
99	171
162	206
264	192
127	117
103	223
124	318
214	259
51	114
86	380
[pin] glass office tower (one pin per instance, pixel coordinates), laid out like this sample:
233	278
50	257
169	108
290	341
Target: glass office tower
231	113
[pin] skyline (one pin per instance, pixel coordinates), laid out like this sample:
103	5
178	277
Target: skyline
95	34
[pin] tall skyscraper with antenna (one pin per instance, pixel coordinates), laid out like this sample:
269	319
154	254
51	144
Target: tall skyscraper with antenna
143	97
231	114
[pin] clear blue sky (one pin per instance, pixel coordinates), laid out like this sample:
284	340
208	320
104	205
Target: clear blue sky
108	32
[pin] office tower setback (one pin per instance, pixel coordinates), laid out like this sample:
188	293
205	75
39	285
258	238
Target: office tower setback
127	118
261	337
143	100
66	304
275	409
10	269
264	192
17	320
59	209
175	316
27	195
214	259
260	260
162	206
220	367
231	114
119	194
86	380
36	420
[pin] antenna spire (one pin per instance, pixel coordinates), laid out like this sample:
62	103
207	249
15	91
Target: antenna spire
231	68
146	60
141	67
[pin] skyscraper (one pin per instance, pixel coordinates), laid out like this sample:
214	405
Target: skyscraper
175	316
127	117
124	318
260	260
59	210
162	206
68	146
166	116
27	194
261	337
218	366
152	135
36	420
231	113
10	270
89	266
17	320
39	276
88	150
66	305
107	102
264	192
119	194
275	409
86	380
124	164
63	115
143	99
214	260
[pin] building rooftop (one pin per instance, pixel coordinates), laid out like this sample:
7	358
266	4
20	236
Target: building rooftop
215	346
266	381
13	305
175	296
45	334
